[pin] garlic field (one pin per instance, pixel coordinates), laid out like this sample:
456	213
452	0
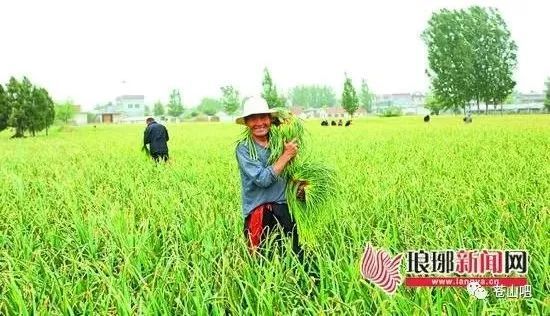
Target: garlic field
89	225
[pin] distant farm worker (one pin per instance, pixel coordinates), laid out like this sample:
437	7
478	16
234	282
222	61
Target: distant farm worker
264	205
468	118
156	136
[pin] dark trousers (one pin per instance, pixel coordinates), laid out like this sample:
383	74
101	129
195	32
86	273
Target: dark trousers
159	156
277	226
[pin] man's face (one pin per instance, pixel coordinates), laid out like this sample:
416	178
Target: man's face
259	124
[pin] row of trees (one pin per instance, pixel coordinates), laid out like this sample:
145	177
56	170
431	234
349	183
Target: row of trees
175	108
312	96
25	107
315	96
471	58
351	101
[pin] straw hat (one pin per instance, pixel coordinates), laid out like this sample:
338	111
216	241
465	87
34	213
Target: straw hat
255	105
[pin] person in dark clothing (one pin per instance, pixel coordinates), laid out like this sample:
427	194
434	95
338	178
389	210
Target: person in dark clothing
156	135
468	119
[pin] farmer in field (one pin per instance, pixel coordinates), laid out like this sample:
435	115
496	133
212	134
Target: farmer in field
264	205
156	135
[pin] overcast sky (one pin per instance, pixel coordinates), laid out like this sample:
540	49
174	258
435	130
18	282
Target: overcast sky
84	49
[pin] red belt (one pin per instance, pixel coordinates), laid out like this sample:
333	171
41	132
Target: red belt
256	226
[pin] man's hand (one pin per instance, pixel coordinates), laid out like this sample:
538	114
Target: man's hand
289	152
301	192
145	149
291	149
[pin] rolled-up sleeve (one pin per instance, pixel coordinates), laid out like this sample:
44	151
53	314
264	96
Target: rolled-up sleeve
260	175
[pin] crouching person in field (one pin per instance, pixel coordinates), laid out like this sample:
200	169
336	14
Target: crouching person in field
264	205
156	136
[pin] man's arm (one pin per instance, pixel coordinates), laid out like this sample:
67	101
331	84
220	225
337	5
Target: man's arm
261	176
146	137
265	176
280	164
291	149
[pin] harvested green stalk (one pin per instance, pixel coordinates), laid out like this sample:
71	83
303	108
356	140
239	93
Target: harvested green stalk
318	180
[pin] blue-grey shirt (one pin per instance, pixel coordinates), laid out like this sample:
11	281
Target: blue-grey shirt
259	183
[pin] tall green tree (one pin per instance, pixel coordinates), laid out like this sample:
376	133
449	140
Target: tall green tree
210	106
547	95
230	99
5	109
29	108
471	57
19	97
495	56
175	106
65	111
158	109
45	110
366	96
350	101
270	91
449	57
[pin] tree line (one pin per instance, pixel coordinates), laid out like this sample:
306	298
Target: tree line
306	96
319	96
25	107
